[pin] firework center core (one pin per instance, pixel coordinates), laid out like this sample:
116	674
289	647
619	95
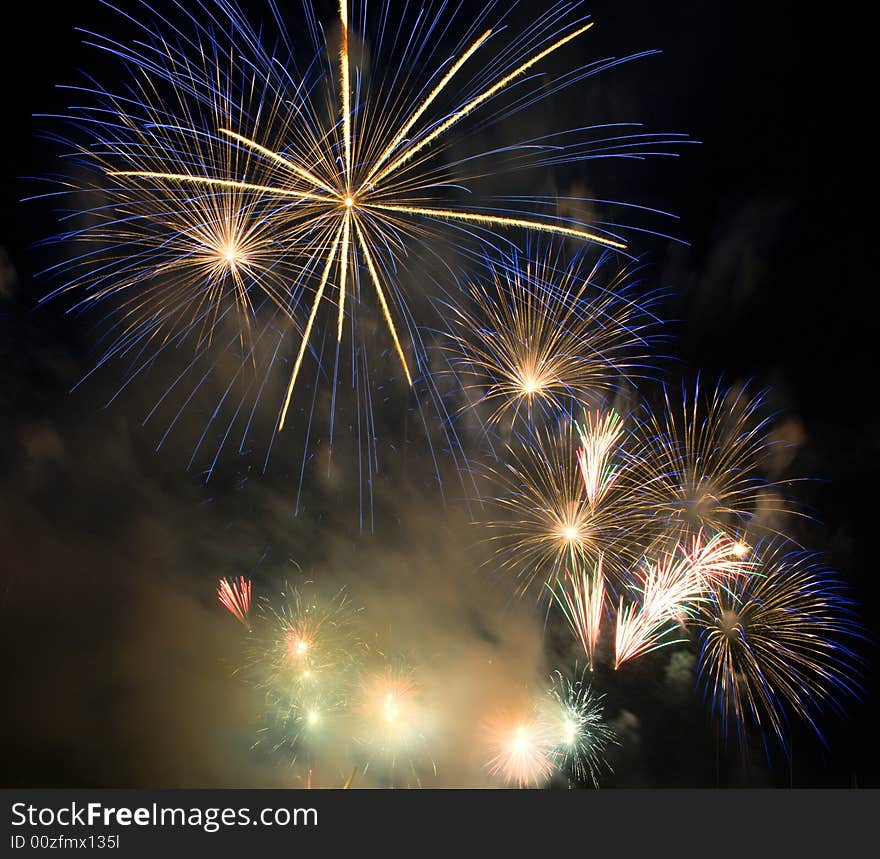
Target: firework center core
531	385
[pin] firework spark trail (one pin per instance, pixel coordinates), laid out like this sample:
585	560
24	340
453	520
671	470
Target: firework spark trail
582	600
713	562
776	645
304	344
416	115
598	437
345	88
670	591
476	102
377	283
638	631
235	597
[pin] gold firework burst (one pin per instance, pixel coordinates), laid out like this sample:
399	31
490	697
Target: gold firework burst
543	331
550	523
776	644
341	211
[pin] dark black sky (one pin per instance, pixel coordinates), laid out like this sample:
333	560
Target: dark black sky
103	537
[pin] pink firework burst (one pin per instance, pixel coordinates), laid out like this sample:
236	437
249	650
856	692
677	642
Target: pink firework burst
235	597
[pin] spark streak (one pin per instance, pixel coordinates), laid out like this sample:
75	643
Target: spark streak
598	438
670	590
582	600
305	341
476	102
236	598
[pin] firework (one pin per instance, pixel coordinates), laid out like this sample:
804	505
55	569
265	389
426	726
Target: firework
670	591
235	597
599	437
774	645
639	630
713	562
203	270
582	600
700	464
550	525
522	748
303	654
231	196
543	332
573	714
312	636
181	265
562	730
391	718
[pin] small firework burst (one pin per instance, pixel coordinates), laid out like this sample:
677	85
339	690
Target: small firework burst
235	597
561	731
599	436
303	653
669	592
573	713
521	748
543	332
701	464
391	721
775	644
549	523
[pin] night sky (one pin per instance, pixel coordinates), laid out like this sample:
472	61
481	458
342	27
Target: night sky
119	664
